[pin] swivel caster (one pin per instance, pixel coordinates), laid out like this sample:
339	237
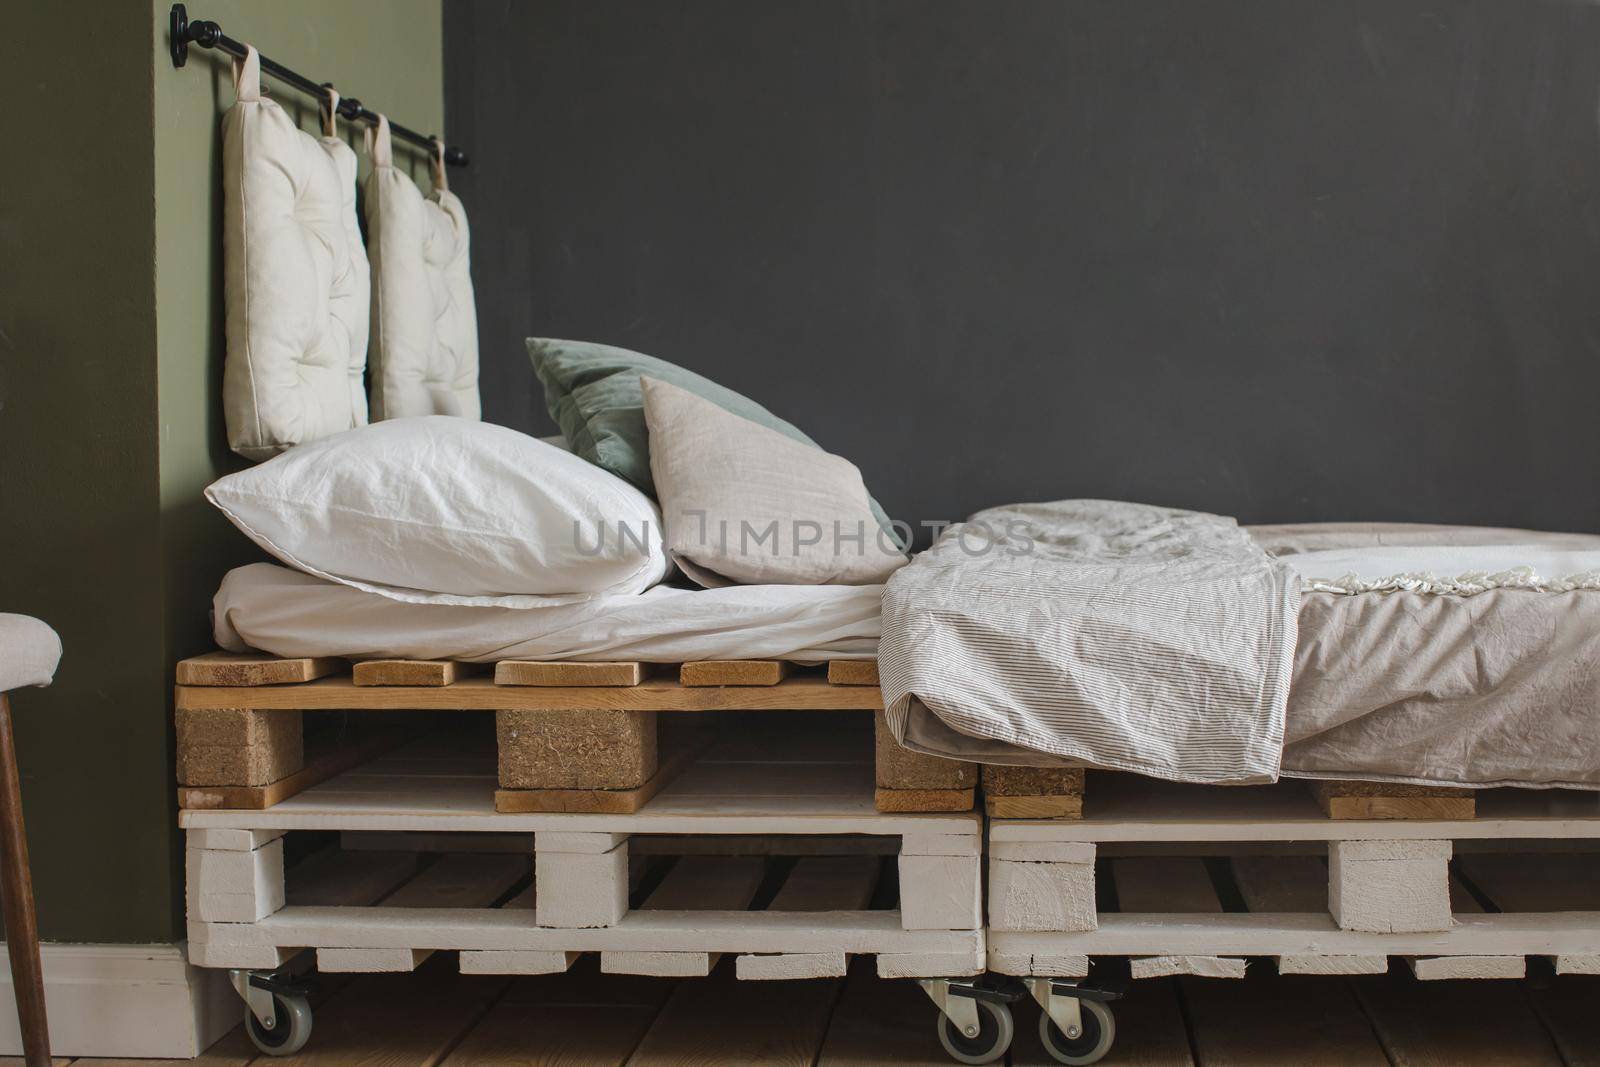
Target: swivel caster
290	1030
974	1024
1076	1026
277	1015
995	1030
1097	1031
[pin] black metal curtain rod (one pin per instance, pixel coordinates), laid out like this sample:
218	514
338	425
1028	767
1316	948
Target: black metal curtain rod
183	33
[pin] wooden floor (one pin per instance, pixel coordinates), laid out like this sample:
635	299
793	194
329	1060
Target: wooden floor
585	1019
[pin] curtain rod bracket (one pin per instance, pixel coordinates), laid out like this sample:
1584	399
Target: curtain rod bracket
178	35
181	33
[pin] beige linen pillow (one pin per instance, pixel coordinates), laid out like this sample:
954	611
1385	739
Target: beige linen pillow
745	504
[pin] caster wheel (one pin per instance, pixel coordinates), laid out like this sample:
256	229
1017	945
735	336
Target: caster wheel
1099	1031
291	1032
995	1030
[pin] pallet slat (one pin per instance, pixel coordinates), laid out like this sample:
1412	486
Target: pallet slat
579	675
1065	806
332	879
816	883
462	880
1385	800
248	669
800	693
1297	934
426	672
696	883
734	672
1033	792
852	672
911	801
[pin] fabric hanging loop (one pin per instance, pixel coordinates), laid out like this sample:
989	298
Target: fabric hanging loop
378	144
330	113
247	75
436	165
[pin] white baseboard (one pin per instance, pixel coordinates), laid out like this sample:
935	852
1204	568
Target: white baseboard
125	1001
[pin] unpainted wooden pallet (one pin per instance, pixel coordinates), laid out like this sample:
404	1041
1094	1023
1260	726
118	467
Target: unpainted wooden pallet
574	737
251	670
1059	793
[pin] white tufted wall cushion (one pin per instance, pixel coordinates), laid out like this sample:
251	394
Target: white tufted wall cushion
353	289
295	284
424	320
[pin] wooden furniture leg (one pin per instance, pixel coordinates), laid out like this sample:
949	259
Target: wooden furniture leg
16	882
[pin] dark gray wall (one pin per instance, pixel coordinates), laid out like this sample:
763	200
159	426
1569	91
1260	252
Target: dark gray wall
1283	260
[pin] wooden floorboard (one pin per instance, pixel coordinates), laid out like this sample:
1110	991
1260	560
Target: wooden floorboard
721	1020
234	1049
1567	1007
398	1020
584	983
584	1018
1448	1024
1150	1031
547	1035
1257	1021
881	1024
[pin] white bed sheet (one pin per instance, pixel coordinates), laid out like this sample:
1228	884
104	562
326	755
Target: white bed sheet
284	612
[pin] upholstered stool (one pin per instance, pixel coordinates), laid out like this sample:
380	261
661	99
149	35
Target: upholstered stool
29	652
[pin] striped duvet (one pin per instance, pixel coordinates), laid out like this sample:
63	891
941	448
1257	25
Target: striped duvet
1122	635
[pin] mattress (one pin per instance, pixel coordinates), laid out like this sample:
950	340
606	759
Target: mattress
287	613
1498	688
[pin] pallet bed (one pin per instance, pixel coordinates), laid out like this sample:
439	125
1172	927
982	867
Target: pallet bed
573	737
245	912
1188	879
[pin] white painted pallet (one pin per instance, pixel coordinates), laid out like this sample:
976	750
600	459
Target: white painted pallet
509	939
1307	934
1369	900
583	878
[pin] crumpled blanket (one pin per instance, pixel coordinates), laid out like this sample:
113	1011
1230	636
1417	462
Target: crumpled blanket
1124	636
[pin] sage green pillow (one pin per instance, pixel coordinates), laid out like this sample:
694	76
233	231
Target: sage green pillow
593	393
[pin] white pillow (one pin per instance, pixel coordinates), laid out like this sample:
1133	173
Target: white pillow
745	503
294	278
442	510
424	319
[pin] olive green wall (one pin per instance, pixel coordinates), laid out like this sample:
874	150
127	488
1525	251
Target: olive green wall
79	466
111	350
